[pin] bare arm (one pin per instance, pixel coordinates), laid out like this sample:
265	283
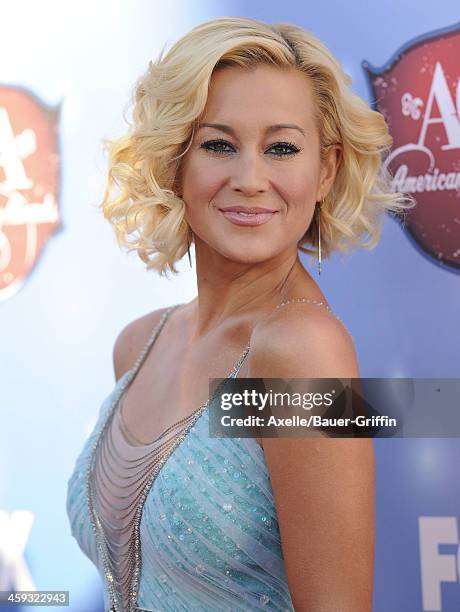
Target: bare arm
323	487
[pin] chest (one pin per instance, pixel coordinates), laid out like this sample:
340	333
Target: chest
172	384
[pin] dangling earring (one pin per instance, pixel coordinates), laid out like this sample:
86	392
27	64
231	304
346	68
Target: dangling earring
188	248
318	223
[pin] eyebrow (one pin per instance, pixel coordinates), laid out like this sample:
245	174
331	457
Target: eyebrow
271	128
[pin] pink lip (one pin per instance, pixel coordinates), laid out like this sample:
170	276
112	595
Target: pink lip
258	218
248	209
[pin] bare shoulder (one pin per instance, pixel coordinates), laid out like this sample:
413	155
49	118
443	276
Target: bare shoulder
302	341
131	340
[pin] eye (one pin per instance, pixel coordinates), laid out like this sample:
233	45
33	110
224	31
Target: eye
217	146
285	149
221	146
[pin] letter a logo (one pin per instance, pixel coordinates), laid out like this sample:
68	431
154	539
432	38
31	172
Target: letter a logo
418	93
29	183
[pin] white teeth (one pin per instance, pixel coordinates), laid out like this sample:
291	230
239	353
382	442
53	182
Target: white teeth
247	214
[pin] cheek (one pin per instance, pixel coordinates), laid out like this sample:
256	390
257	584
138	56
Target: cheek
200	183
298	191
296	182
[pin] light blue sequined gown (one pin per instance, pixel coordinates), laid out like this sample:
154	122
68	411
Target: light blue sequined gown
207	534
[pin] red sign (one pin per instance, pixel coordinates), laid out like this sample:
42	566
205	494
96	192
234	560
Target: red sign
29	184
418	92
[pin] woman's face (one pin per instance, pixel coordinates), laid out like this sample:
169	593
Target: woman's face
256	145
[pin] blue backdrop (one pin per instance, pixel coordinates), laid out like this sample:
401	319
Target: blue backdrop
57	331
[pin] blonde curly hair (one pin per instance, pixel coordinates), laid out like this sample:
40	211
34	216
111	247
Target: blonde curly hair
140	199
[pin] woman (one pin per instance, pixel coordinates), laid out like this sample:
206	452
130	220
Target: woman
247	141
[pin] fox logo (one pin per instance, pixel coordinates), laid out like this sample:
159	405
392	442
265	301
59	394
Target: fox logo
437	568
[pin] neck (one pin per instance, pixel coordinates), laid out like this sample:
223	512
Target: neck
227	288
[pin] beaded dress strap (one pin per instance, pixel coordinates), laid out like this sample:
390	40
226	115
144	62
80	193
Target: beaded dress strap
308	301
153	336
318	303
239	363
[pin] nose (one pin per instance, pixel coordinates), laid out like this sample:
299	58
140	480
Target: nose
249	176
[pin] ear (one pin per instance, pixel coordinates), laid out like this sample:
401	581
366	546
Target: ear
329	170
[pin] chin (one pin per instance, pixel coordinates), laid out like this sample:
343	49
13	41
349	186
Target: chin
258	256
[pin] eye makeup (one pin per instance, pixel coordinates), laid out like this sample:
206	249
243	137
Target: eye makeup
213	144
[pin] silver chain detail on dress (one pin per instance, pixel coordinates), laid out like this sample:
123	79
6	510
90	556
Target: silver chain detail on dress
134	439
